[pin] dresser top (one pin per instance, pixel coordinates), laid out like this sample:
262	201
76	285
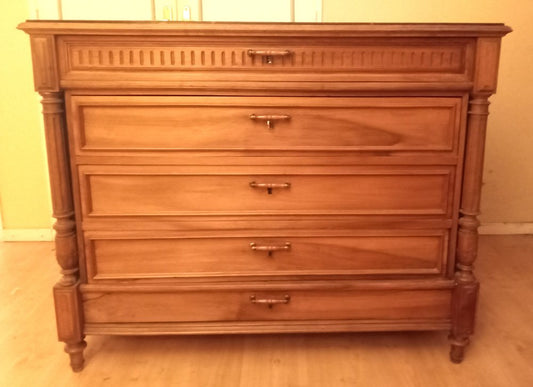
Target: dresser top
262	29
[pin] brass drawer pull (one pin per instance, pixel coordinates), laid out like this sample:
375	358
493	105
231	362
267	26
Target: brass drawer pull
268	54
270	301
270	248
270	118
270	186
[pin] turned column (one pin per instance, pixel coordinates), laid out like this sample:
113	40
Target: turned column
66	291
467	287
465	295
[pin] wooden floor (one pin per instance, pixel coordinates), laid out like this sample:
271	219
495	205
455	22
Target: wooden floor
501	354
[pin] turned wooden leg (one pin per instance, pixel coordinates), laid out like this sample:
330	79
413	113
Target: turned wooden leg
67	299
457	350
463	316
465	294
75	351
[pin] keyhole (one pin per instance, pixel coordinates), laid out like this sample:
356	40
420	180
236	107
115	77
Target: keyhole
269	190
270	253
268	59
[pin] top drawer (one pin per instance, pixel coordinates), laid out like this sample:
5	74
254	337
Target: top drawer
245	58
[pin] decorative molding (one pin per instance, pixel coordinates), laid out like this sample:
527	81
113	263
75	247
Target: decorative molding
506	228
43	53
121	55
487	60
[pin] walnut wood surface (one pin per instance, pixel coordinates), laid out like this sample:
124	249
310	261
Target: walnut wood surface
236	306
141	191
368	156
224	123
140	256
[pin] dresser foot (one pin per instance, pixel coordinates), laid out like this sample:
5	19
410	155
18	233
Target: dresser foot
75	351
457	350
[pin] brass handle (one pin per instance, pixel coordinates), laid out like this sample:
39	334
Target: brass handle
270	301
269	186
268	54
270	118
270	248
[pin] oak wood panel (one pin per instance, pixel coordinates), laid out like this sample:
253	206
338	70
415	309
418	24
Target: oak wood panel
165	256
237	306
139	191
224	123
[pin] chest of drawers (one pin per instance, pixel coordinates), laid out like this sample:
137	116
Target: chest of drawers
255	178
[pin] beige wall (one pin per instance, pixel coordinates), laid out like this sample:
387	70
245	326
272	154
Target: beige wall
24	198
508	180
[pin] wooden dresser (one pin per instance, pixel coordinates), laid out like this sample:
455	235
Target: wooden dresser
252	178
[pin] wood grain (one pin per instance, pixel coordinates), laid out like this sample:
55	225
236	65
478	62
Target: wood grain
143	256
44	57
223	123
116	191
309	305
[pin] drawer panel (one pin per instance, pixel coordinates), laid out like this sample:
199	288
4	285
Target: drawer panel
257	123
143	256
265	57
239	305
171	191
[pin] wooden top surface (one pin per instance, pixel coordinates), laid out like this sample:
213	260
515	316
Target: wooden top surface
64	27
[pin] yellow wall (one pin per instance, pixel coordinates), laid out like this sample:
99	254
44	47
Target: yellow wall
508	180
24	197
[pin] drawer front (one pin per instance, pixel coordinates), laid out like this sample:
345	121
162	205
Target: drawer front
246	58
171	191
257	123
261	305
139	256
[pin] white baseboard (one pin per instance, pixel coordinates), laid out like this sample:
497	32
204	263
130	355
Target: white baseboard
27	235
506	228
